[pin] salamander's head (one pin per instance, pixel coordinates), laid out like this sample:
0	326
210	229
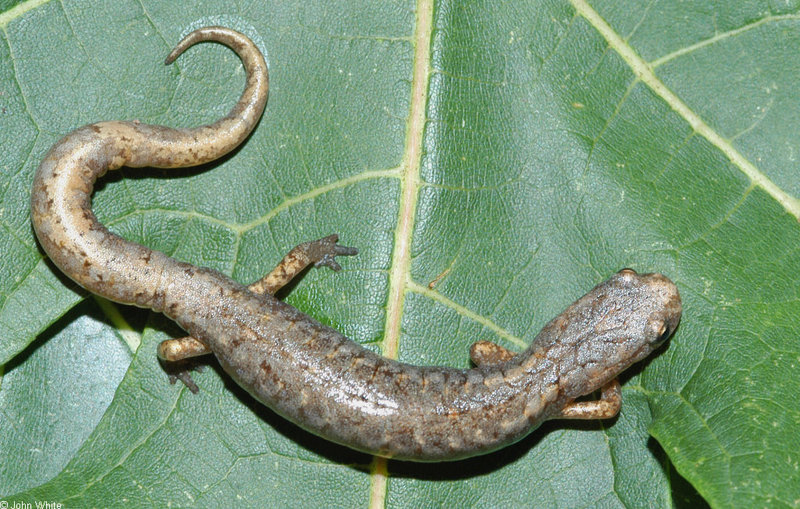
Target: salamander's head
618	323
663	299
646	309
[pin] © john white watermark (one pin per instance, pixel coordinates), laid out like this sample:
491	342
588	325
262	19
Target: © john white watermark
5	504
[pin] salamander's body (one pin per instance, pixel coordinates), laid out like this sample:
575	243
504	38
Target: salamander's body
310	373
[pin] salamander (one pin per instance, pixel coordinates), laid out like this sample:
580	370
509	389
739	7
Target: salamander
305	371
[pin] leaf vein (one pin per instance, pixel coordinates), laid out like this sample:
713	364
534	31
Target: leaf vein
644	72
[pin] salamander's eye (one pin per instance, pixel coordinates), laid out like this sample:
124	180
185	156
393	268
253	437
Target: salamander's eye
662	334
627	275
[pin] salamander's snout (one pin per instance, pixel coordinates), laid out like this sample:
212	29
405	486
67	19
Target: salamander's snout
663	300
670	299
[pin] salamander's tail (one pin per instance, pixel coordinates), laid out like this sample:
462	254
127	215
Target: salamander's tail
61	212
212	141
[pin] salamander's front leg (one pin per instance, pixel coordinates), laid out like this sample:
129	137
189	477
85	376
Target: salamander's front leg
485	353
604	408
322	252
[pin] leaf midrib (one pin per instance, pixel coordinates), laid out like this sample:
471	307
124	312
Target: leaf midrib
399	274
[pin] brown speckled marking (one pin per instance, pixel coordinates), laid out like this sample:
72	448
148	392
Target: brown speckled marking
310	373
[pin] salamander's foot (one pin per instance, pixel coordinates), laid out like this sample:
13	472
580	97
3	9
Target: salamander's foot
322	252
174	354
183	375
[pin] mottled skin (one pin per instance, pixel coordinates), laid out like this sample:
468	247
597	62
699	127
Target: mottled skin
310	373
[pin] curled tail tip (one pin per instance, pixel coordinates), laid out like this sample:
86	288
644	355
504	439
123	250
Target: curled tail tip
184	44
231	38
177	51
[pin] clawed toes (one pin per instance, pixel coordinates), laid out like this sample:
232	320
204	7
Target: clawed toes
328	250
182	373
328	260
186	378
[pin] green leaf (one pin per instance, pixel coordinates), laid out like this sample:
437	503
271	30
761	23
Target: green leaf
492	163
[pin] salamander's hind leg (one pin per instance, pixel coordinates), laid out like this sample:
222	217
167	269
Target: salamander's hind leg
178	350
322	252
604	408
174	350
